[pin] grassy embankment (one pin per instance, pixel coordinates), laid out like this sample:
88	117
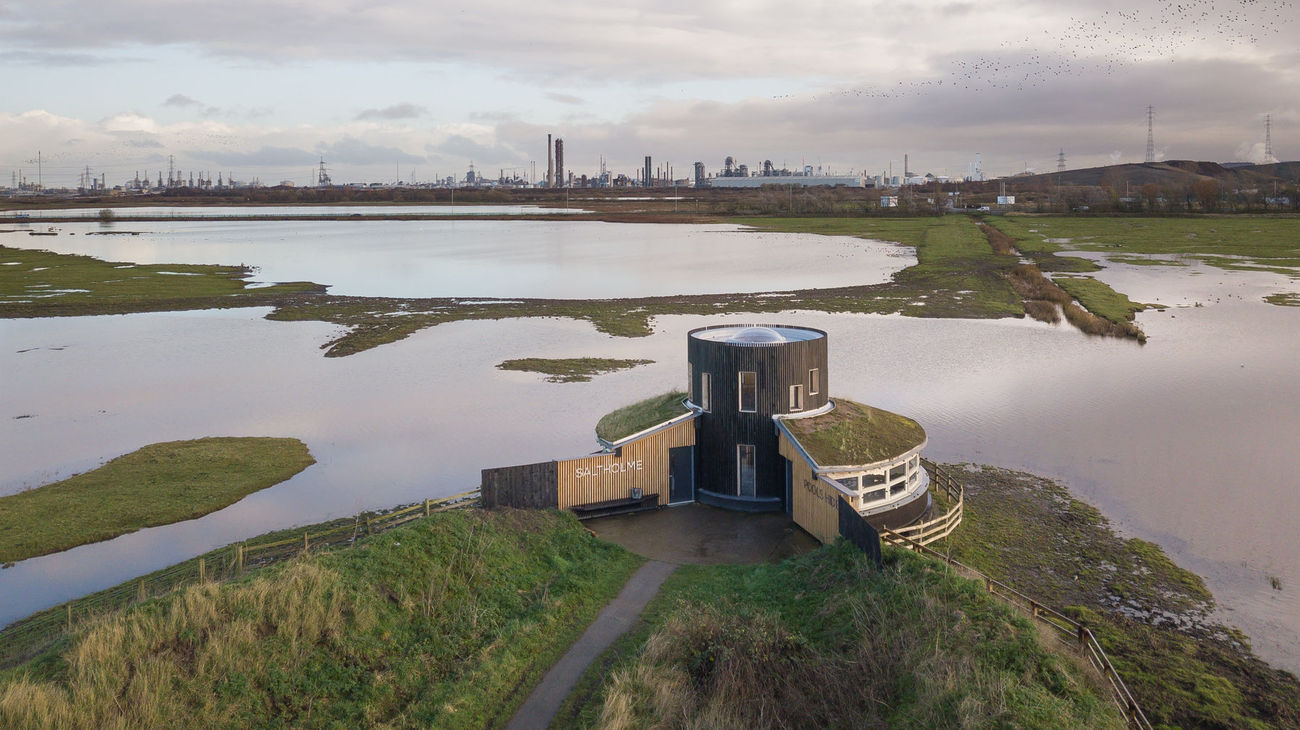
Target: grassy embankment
1152	617
155	485
639	416
1241	244
825	640
44	284
570	370
447	622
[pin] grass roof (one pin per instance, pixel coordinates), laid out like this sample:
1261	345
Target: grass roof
641	415
854	433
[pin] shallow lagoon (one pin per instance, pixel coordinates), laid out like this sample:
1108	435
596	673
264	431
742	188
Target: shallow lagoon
498	258
1187	441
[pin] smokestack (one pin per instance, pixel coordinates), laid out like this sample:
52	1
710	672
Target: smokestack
550	164
559	162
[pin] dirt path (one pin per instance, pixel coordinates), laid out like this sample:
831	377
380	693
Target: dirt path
613	621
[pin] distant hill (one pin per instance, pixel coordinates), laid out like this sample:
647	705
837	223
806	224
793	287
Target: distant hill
1179	172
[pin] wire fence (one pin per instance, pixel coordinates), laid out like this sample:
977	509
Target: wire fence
1068	631
26	638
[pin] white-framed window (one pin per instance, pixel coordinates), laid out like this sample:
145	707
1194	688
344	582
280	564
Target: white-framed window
706	392
746	473
814	381
796	398
748	391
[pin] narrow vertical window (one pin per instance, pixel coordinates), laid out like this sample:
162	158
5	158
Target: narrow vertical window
745	471
814	381
796	398
748	391
706	392
690	383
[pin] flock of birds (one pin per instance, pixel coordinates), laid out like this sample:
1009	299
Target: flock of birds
1101	45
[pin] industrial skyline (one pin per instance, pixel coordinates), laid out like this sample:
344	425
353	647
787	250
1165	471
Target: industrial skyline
419	91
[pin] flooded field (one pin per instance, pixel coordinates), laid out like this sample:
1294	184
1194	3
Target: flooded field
545	259
1187	441
282	211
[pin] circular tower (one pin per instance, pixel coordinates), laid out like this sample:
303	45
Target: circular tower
740	377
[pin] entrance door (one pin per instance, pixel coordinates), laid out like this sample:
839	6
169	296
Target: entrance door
681	474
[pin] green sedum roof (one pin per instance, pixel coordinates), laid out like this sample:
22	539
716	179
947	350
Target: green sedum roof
641	415
854	433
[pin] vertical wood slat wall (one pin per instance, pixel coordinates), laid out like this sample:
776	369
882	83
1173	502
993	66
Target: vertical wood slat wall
652	477
814	505
778	366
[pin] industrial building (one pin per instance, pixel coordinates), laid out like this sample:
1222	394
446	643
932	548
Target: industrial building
756	432
848	181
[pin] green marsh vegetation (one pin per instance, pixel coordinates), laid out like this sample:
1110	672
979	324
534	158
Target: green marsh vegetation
570	370
854	433
45	284
1152	617
826	640
1232	243
639	416
446	622
965	269
155	485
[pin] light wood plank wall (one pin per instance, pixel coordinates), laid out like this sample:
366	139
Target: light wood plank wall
814	504
642	463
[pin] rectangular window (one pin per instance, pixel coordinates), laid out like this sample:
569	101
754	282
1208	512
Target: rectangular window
745	472
748	391
897	472
706	392
848	482
814	381
690	383
874	495
871	480
796	398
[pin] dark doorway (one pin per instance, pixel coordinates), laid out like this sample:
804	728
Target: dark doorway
681	474
789	486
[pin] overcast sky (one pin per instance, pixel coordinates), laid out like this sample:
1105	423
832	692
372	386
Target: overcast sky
382	88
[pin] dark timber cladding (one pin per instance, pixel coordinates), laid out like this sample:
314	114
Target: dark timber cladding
529	486
788	365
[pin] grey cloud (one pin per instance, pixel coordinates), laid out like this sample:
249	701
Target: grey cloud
396	111
181	100
563	98
49	58
458	146
352	151
265	156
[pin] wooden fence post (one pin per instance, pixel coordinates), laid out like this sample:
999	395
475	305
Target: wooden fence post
203	571
69	617
142	594
426	506
305	544
1083	635
239	559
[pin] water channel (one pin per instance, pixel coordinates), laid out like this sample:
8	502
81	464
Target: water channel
1188	441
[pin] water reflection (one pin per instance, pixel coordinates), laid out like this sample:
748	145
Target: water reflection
546	259
1187	441
290	211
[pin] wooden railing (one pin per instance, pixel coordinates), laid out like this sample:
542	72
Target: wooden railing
28	637
1067	630
939	527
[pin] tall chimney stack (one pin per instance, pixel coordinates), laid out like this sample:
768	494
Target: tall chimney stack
550	163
